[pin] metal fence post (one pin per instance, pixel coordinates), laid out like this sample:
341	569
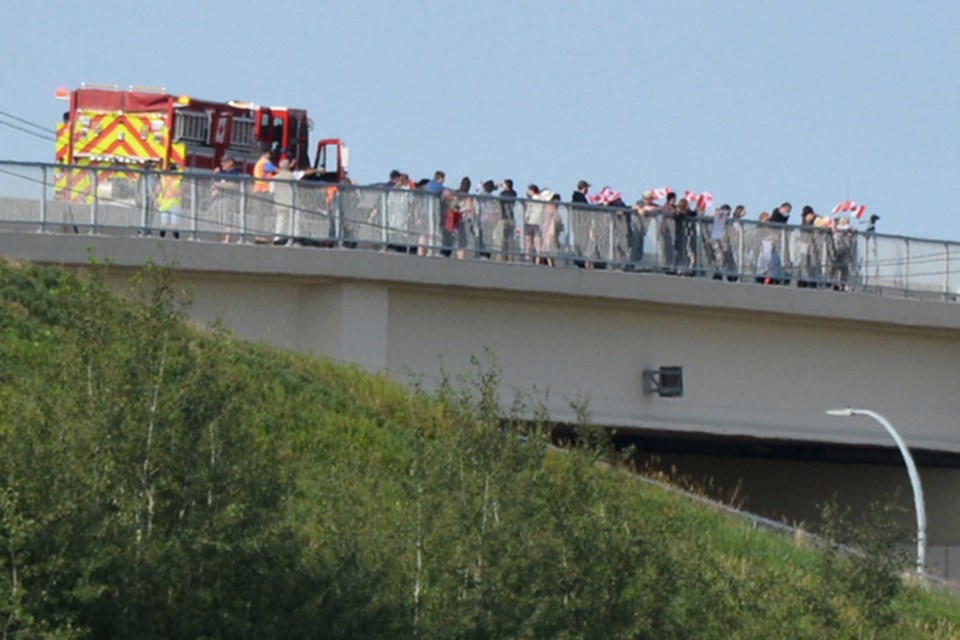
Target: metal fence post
611	218
95	202
946	270
906	268
193	207
383	220
741	271
865	273
824	257
144	203
243	211
43	199
785	264
338	216
292	222
432	216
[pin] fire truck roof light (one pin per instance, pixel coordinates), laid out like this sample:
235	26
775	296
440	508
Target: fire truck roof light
99	85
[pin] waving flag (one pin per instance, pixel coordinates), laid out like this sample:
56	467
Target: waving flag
605	196
698	200
705	201
849	206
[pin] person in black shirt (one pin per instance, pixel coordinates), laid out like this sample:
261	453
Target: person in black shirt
580	195
503	242
781	214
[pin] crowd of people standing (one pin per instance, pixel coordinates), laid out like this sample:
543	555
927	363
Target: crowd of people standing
661	231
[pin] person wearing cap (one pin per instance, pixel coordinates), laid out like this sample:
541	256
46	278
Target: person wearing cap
580	195
228	167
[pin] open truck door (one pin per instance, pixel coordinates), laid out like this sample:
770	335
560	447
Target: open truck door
331	160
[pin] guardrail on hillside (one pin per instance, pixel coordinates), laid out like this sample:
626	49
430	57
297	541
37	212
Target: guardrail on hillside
212	208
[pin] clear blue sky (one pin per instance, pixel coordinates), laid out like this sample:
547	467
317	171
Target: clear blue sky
758	102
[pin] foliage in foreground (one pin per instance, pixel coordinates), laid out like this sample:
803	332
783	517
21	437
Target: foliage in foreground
160	482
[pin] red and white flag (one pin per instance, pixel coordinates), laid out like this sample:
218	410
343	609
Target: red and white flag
660	194
605	196
698	200
849	206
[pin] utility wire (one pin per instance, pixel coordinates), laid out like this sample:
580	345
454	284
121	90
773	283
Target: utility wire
48	138
28	123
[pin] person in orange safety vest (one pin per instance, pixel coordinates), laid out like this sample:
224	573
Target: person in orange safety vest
263	171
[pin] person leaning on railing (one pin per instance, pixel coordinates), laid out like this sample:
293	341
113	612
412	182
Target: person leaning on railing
532	221
666	229
767	250
732	243
841	253
488	215
504	235
549	228
807	250
283	199
434	186
706	248
224	195
714	236
685	238
464	215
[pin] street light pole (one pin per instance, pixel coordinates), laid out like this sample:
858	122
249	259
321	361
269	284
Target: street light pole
911	471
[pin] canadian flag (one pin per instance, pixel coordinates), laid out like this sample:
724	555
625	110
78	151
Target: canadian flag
605	196
849	206
698	201
660	194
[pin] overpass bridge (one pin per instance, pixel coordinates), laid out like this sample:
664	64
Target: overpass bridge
760	363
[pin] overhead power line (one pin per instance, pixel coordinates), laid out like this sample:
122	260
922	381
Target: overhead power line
28	123
47	137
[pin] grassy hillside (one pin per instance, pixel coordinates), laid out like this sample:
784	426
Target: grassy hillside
161	482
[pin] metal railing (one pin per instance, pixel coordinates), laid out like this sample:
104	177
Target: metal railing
213	208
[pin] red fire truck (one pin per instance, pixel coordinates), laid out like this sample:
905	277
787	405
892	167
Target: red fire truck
108	127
